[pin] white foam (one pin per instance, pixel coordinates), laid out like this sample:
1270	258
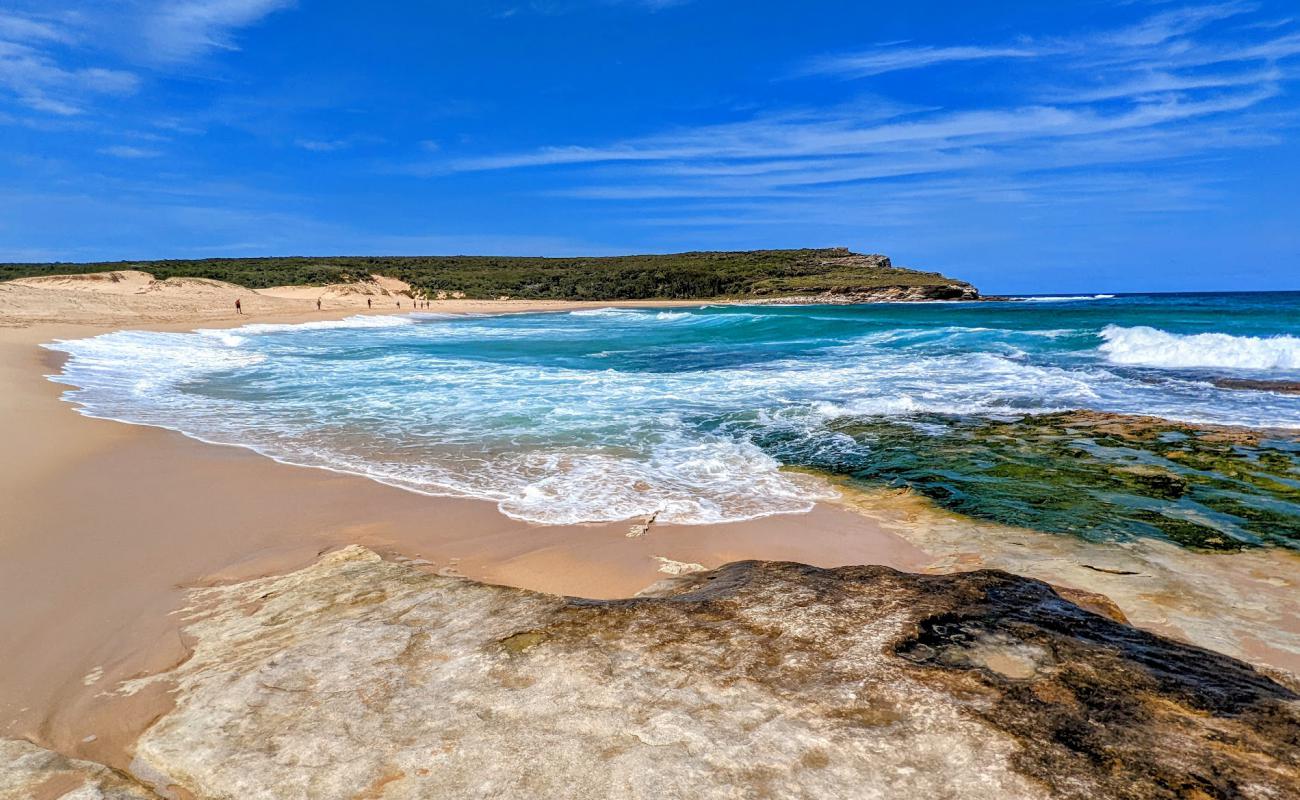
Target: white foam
1150	347
606	312
1066	298
633	314
363	321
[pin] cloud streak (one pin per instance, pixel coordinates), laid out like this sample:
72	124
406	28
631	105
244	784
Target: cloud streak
894	59
182	31
40	83
43	55
1173	87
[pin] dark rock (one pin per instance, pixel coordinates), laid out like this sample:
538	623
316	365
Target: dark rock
1280	387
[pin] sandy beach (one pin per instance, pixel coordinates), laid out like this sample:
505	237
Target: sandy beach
105	526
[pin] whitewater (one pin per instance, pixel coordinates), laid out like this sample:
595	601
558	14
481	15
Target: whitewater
690	413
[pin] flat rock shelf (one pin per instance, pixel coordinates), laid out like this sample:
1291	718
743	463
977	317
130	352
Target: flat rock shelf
360	677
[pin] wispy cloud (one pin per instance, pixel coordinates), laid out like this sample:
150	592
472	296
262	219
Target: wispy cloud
896	58
323	145
15	28
180	31
559	7
41	83
44	54
1174	86
127	151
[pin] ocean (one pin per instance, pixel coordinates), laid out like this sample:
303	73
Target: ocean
729	412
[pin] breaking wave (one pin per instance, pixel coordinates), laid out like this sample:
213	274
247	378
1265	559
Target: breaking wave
1150	347
602	415
1066	298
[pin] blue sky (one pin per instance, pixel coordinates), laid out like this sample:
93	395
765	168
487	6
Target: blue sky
1072	146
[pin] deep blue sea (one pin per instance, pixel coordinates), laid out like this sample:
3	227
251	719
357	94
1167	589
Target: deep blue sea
690	413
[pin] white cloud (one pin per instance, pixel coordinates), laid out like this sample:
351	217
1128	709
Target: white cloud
559	7
1161	38
1160	28
893	59
127	151
181	31
42	84
323	145
15	28
42	55
1161	82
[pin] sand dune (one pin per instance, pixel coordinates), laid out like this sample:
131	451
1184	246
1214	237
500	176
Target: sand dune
336	294
131	295
127	281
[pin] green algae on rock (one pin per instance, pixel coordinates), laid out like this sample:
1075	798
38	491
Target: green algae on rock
1095	475
360	677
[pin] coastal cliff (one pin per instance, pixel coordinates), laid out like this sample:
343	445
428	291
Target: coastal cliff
358	677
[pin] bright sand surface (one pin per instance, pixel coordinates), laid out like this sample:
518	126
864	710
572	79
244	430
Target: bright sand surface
104	525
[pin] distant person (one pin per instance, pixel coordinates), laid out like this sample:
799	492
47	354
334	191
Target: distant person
238	308
318	304
368	305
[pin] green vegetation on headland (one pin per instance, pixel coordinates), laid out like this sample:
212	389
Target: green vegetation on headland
755	273
1098	476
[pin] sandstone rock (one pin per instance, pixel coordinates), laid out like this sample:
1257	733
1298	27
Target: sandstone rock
358	677
881	294
28	772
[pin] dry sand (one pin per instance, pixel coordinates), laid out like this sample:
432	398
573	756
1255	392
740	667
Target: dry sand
103	525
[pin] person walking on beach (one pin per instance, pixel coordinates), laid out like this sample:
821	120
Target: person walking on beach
318	304
368	303
238	308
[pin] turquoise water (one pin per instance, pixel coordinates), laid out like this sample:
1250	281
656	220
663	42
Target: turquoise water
690	413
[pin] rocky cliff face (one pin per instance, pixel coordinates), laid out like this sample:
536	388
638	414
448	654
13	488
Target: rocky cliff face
883	294
363	678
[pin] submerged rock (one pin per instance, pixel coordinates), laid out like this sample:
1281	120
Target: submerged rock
358	677
1099	476
1246	384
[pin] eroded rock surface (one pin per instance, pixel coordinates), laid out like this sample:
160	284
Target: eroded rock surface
28	772
843	296
358	677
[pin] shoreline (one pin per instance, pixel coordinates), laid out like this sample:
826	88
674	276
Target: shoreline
108	525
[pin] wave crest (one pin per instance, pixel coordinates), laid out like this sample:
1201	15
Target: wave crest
1150	347
1066	298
